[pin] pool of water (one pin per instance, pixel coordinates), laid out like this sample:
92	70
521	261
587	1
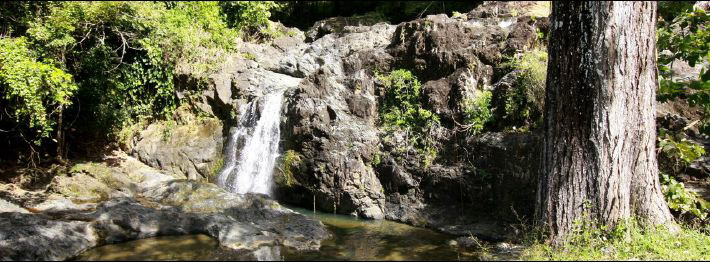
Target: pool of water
353	239
185	247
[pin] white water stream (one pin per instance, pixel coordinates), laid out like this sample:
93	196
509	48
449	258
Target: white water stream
252	148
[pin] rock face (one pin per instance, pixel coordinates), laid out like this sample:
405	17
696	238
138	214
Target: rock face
332	121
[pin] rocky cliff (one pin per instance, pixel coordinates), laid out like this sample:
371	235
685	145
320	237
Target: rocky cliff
337	157
331	123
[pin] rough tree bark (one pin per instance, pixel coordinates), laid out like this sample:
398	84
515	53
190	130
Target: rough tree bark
599	158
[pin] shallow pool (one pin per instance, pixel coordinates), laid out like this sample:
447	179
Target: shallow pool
353	239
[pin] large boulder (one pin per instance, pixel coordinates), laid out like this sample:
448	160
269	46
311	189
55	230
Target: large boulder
191	150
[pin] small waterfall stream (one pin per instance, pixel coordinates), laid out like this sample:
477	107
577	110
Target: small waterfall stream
253	147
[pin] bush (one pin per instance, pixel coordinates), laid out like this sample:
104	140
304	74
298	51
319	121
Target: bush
124	55
477	112
401	110
252	17
524	106
683	201
681	153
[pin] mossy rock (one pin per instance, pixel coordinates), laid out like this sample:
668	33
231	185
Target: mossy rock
93	182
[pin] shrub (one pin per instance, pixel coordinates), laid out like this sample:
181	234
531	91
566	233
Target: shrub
681	153
124	55
524	106
402	110
682	200
477	112
251	17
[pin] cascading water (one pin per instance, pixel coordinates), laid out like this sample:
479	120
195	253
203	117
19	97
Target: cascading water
253	147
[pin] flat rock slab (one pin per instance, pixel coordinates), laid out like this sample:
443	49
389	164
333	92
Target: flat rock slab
241	222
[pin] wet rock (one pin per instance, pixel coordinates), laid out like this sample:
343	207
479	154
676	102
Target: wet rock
522	36
485	230
468	242
59	204
700	168
702	5
332	116
292	229
446	96
504	248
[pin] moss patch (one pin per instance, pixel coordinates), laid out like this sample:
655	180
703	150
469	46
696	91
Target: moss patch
290	161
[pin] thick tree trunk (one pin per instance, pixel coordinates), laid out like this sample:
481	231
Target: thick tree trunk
599	160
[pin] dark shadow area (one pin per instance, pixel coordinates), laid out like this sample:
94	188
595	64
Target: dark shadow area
302	14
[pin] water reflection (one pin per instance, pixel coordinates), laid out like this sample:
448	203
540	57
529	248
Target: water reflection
186	247
357	239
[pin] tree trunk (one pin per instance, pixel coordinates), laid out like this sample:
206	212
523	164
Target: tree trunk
60	135
599	160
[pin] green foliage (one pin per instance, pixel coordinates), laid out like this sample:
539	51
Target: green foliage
686	37
15	16
167	131
477	112
124	55
629	240
35	91
668	10
524	105
117	59
376	159
402	110
681	152
682	200
402	102
252	17
249	56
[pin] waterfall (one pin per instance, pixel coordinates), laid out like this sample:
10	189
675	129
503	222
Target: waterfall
253	147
